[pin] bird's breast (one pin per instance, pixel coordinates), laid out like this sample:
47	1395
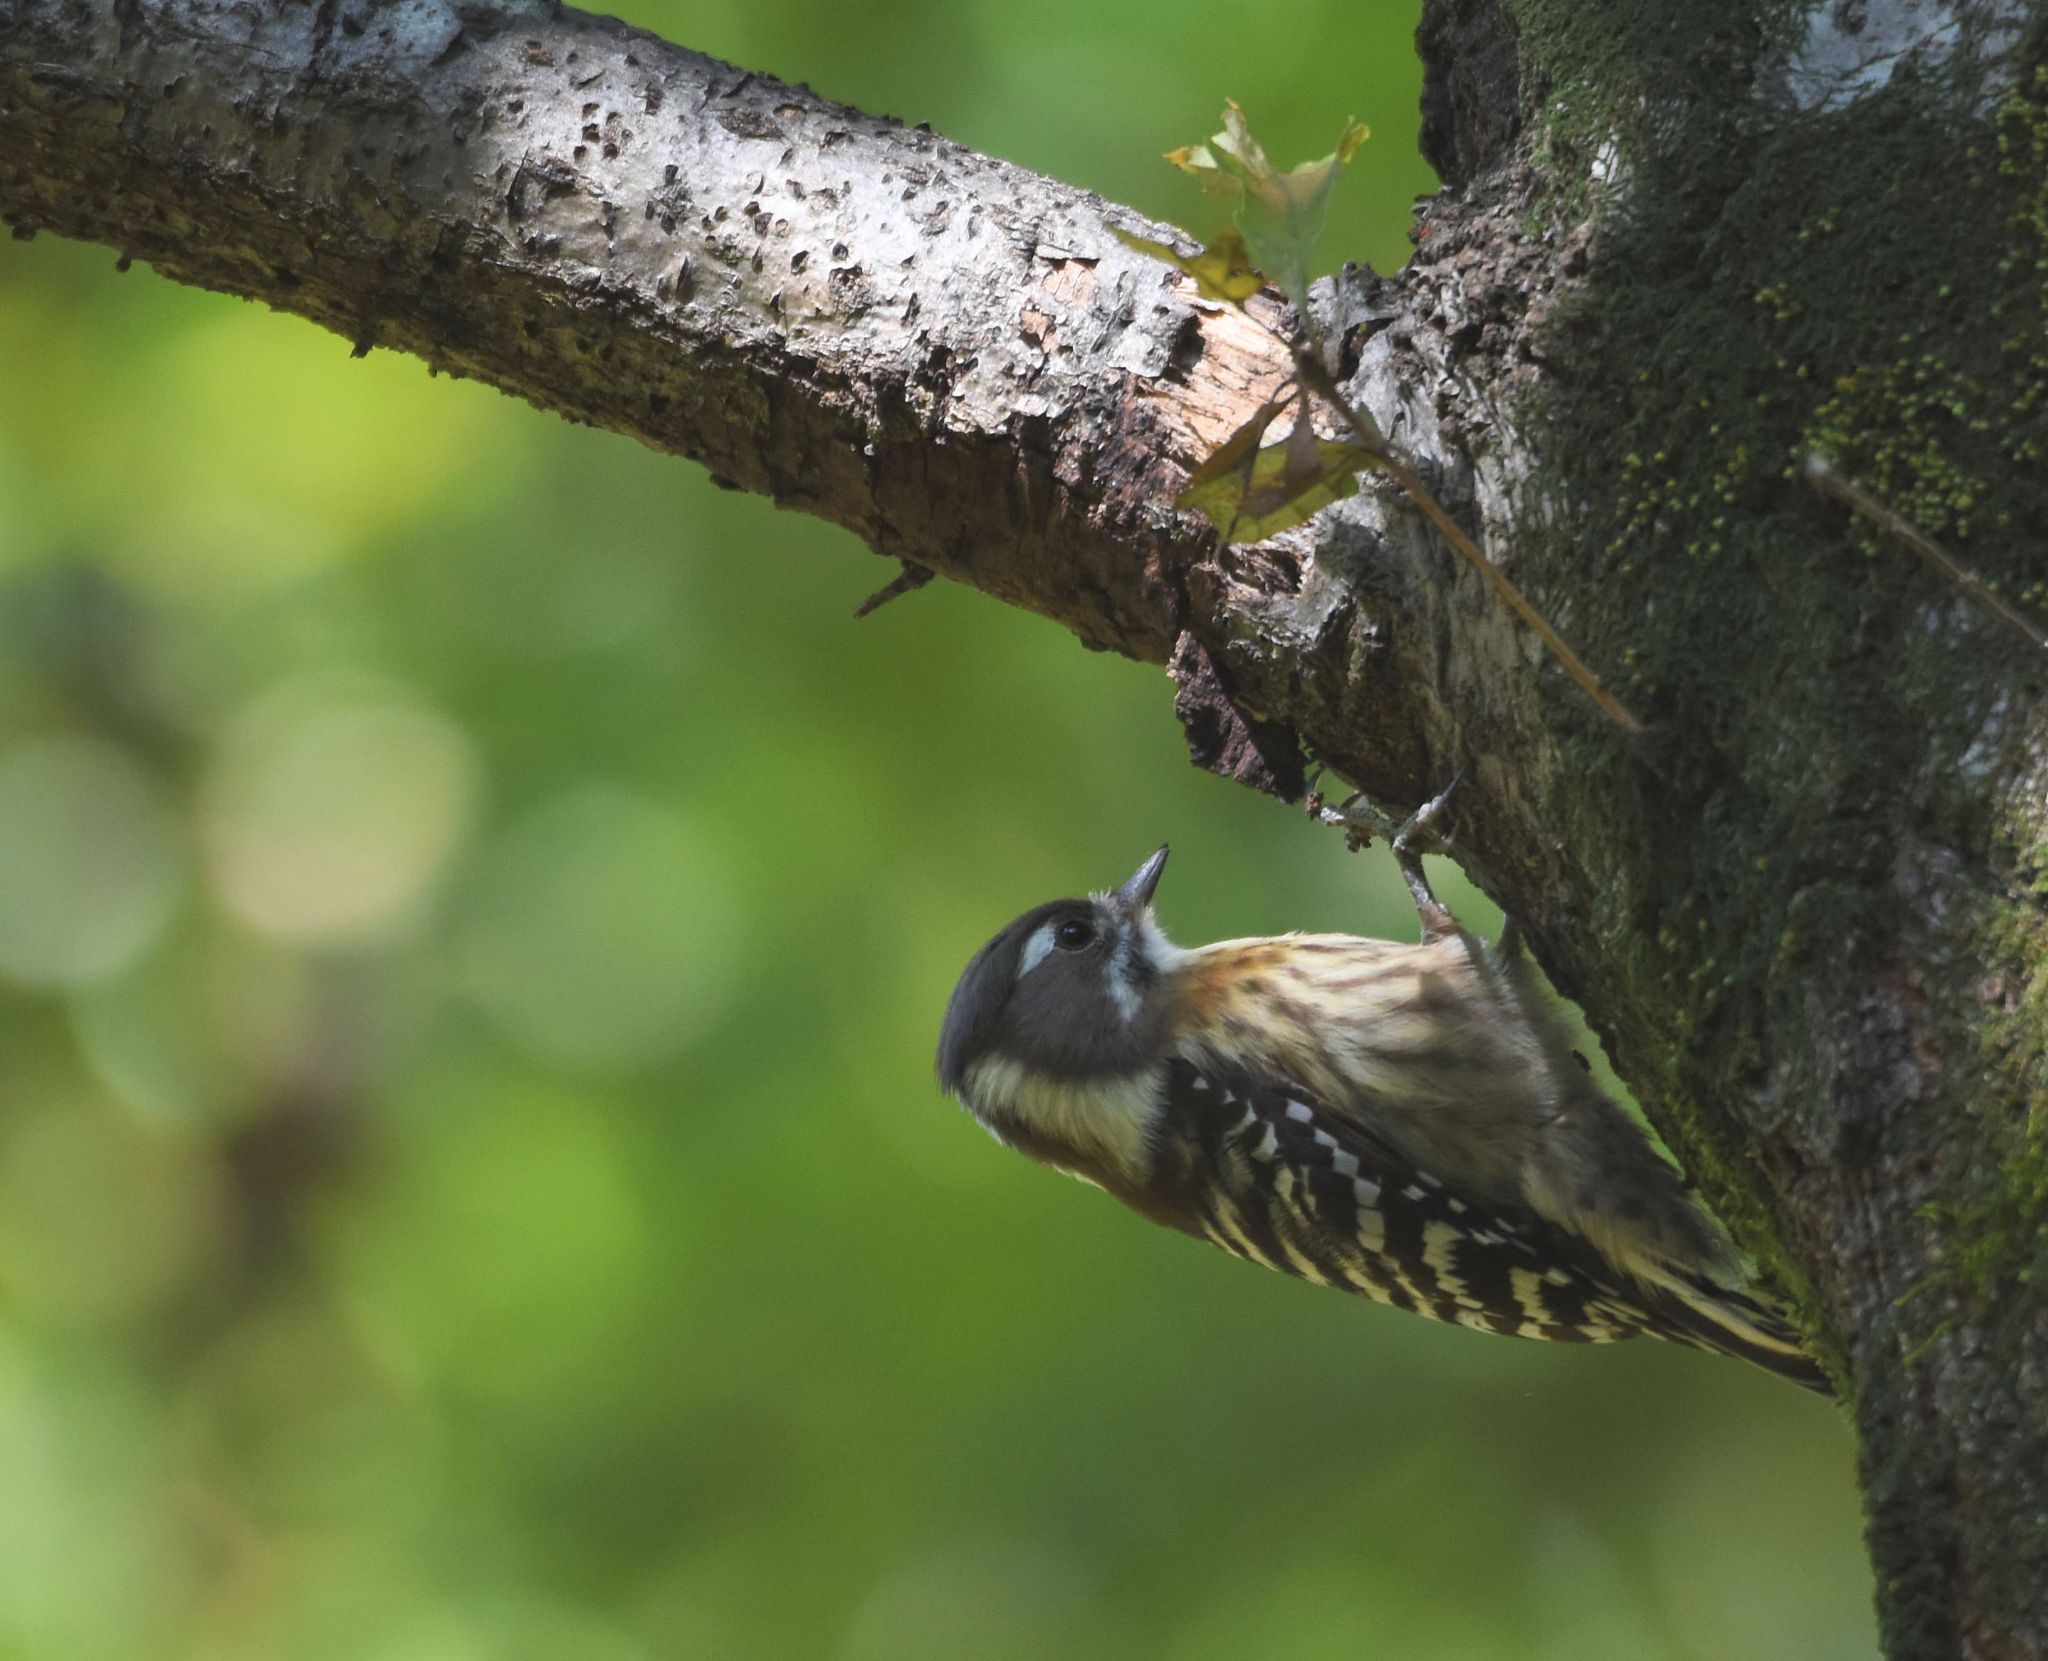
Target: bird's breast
1098	1129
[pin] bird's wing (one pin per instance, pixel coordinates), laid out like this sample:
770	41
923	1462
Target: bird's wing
1424	1047
1269	1173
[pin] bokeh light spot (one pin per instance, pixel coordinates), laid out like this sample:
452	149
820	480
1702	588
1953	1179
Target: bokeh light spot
600	932
90	863
512	1255
332	807
99	1220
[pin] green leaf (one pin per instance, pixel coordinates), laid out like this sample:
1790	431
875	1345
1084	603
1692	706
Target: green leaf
1280	214
1222	271
1235	455
1249	494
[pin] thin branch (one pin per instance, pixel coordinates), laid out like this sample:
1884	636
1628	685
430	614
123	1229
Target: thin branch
1825	477
911	578
1309	366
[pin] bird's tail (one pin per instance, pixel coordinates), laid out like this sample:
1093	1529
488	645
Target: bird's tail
1699	1311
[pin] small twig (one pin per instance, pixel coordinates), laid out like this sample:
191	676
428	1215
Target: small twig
911	578
1829	481
1309	368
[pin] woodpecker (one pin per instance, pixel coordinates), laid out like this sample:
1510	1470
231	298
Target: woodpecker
1404	1122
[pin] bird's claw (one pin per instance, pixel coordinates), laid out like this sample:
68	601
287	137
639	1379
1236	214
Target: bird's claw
1362	821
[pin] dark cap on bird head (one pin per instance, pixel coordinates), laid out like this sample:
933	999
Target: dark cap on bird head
974	1012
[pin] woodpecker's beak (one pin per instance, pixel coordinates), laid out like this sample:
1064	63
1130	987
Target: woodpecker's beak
1138	891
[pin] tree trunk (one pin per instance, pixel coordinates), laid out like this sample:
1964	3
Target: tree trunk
1680	250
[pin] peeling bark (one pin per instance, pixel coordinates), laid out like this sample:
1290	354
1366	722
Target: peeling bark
1683	249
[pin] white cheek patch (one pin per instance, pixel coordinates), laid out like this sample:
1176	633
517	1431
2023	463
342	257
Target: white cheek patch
1135	959
1143	954
1035	949
1121	991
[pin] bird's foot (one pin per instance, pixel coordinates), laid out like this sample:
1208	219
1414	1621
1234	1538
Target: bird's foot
1362	821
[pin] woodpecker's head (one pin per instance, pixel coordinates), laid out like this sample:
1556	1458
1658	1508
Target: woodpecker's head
1071	992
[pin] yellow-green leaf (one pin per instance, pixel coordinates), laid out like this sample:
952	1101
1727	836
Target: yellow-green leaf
1280	214
1283	485
1222	271
1235	454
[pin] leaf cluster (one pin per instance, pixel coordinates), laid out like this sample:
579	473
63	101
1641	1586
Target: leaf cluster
1248	489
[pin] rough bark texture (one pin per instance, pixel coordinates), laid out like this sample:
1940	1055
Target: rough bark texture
1686	246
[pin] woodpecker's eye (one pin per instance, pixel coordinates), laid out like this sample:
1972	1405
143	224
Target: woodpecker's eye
1074	935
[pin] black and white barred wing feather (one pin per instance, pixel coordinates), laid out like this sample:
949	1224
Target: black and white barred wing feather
1264	1170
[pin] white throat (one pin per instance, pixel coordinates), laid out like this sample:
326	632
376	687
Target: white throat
1106	1121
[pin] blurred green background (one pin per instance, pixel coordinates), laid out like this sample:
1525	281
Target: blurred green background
474	918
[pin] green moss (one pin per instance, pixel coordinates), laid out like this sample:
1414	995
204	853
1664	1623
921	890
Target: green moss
1999	1240
1604	77
1927	433
1871	284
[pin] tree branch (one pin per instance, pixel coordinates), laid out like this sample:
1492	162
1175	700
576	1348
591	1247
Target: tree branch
939	351
1804	914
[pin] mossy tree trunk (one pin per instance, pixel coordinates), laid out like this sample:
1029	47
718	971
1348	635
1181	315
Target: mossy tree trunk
1681	249
1809	912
